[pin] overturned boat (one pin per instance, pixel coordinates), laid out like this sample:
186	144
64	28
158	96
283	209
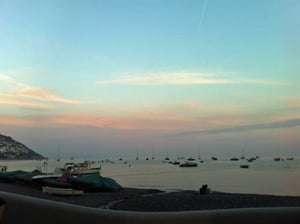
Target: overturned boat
94	182
61	191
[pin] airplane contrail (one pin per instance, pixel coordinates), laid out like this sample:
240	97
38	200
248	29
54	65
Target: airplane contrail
203	12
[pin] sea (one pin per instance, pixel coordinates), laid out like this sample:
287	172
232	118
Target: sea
264	175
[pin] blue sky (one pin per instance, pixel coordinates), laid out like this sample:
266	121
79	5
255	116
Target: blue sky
119	70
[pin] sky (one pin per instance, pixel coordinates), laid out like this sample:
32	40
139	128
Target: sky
105	78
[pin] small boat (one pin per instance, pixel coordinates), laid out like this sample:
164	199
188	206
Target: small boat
214	158
243	155
191	159
277	159
244	166
188	164
289	158
251	159
61	191
234	159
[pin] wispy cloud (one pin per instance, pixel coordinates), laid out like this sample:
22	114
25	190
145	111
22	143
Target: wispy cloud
241	128
21	94
42	95
129	122
185	78
6	79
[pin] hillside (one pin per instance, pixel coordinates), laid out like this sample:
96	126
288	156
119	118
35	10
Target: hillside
13	150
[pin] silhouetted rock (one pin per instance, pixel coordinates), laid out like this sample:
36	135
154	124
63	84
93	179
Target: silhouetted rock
13	150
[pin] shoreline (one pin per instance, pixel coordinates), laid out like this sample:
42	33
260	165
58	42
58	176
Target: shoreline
155	200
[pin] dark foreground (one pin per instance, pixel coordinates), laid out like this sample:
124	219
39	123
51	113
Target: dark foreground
130	199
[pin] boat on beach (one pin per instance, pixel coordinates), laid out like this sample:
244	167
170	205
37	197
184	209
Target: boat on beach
87	167
52	180
45	176
61	191
94	182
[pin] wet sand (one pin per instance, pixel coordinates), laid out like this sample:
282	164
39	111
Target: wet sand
153	200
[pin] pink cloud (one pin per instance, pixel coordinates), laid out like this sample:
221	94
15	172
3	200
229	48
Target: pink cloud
142	121
24	103
8	120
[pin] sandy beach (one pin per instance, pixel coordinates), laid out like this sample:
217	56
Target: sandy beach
153	200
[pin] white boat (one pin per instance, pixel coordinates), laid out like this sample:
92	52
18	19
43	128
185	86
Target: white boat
81	168
61	191
45	176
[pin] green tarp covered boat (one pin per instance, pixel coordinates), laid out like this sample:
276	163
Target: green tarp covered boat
94	182
12	176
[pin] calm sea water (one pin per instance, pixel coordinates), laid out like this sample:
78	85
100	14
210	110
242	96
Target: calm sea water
264	176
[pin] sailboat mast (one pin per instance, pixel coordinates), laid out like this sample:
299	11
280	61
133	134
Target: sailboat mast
58	154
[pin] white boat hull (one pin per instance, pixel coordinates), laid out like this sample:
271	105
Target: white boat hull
61	191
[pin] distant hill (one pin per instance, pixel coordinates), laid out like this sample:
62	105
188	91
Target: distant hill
13	150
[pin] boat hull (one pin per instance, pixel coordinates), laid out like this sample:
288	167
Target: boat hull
61	191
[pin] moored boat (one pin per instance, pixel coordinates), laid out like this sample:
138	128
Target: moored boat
251	159
244	166
188	164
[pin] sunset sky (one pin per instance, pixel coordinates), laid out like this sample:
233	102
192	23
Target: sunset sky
108	78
